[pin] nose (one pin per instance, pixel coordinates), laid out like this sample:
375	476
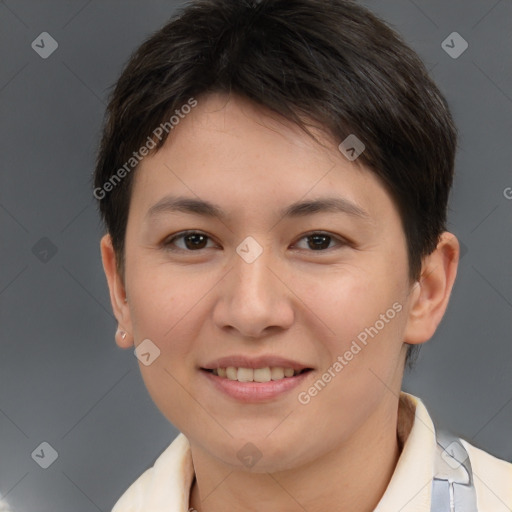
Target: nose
254	300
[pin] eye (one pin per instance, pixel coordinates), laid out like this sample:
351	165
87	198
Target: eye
196	240
318	241
192	241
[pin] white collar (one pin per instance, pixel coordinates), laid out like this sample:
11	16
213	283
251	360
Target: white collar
410	487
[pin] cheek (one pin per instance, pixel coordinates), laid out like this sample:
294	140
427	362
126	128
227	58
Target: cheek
344	300
360	361
361	316
165	309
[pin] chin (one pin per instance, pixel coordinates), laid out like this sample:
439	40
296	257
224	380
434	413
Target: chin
259	454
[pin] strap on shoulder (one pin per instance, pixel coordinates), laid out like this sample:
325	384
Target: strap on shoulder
453	489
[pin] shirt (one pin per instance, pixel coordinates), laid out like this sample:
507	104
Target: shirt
165	487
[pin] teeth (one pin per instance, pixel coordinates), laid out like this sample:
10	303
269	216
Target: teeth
276	373
245	375
255	375
261	374
231	373
288	372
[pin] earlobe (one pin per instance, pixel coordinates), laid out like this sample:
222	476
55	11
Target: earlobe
431	295
117	293
123	340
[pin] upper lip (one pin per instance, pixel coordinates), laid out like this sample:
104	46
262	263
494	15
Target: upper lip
240	361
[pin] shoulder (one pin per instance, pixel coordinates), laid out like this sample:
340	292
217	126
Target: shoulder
492	478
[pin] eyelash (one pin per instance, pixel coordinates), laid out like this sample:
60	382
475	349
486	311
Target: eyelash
167	244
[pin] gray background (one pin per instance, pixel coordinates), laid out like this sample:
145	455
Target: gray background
63	379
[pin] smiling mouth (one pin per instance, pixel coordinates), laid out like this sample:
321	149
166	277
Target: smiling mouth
265	374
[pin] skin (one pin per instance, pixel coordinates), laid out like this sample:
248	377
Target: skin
293	301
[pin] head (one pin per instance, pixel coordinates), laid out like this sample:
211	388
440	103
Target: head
248	107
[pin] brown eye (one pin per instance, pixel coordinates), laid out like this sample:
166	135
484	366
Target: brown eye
192	241
320	241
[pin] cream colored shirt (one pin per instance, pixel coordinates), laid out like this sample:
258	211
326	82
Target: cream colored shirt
165	487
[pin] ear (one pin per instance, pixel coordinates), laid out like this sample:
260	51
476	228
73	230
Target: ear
117	291
430	295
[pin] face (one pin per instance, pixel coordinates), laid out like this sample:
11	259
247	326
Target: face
301	264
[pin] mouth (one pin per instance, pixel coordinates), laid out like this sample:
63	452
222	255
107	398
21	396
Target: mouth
261	379
262	375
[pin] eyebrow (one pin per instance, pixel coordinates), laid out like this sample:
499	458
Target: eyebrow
173	204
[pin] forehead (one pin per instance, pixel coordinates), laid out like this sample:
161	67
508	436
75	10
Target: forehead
232	152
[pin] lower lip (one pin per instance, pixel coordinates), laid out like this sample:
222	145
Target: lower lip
251	392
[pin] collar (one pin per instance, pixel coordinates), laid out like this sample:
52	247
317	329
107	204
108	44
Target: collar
165	487
410	487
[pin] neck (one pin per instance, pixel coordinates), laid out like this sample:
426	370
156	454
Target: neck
351	477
